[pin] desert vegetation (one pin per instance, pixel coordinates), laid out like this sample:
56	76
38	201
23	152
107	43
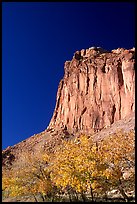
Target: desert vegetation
78	170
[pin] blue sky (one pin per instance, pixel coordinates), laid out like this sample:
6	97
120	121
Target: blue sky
37	38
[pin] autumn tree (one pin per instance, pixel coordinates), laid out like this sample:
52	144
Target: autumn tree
83	165
75	166
32	177
117	152
78	167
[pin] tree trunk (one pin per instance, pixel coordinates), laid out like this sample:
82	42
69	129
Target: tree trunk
83	197
106	197
52	199
69	196
123	192
42	197
35	198
76	196
91	192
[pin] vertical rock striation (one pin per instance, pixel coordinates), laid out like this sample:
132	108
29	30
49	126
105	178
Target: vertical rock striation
98	89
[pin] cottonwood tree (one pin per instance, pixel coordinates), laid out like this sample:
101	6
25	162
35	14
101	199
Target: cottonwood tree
118	153
32	177
77	167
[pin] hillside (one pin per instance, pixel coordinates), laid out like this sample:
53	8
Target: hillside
96	100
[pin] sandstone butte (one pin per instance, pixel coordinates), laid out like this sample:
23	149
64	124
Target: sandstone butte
97	90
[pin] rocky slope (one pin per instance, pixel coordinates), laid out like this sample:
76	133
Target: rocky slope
98	89
96	96
47	140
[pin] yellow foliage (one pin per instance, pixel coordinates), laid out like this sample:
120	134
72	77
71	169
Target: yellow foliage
78	164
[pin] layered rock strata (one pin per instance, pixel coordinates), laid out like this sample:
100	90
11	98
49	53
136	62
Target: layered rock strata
98	89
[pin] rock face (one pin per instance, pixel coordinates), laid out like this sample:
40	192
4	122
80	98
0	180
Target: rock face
98	89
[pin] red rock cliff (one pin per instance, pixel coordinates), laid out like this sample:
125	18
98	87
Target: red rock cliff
98	89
